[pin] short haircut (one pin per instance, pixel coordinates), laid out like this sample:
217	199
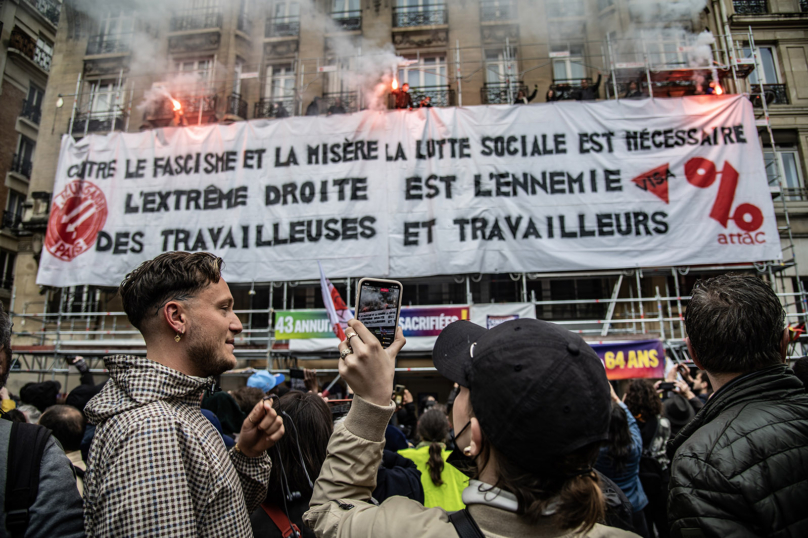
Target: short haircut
172	276
735	324
67	425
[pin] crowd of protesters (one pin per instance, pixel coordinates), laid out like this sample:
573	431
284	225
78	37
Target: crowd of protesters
532	441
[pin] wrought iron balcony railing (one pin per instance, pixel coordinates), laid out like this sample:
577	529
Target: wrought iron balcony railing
426	15
49	9
31	112
799	194
775	94
282	27
348	100
21	165
557	9
496	93
244	24
11	219
274	108
804	6
439	96
750	7
196	20
97	122
28	47
567	89
497	10
348	20
237	106
109	44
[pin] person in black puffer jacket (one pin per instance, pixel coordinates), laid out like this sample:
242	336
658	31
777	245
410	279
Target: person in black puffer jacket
739	467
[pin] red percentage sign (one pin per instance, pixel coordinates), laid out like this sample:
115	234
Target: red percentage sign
702	173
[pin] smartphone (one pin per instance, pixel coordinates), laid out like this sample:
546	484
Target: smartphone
297	379
666	386
378	306
296	373
398	394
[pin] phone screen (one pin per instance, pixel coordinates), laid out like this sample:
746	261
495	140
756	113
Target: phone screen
377	308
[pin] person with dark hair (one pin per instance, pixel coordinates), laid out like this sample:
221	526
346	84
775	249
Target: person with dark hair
619	459
156	465
40	395
800	369
402	97
337	107
633	91
738	468
55	509
15	415
522	98
299	456
314	107
247	397
532	412
443	484
587	92
66	423
644	404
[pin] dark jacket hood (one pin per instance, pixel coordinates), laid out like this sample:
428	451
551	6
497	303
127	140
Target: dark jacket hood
138	381
772	383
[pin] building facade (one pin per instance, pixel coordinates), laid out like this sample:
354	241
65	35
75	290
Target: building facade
220	61
28	33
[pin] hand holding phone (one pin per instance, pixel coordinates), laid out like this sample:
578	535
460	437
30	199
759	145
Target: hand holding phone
378	306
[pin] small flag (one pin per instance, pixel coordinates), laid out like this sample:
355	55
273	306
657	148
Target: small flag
338	312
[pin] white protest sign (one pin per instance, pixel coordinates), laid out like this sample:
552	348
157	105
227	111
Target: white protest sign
553	187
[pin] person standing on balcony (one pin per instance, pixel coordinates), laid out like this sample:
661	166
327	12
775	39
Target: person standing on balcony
337	107
314	107
157	466
403	97
522	99
587	92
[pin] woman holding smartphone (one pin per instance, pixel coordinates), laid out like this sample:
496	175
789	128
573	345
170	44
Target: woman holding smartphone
531	414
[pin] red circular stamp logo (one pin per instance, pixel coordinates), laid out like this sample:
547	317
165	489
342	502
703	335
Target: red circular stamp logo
77	215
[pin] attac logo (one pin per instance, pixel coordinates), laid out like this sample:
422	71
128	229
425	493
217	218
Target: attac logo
78	214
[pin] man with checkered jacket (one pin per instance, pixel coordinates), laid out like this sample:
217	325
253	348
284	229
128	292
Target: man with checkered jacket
157	466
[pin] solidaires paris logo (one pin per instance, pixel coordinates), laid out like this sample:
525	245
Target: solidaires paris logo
77	215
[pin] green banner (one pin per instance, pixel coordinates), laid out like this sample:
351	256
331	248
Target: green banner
301	324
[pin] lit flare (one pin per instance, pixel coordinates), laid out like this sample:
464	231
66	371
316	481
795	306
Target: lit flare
177	105
717	89
395	84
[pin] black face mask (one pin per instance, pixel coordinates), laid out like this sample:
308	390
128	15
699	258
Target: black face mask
465	464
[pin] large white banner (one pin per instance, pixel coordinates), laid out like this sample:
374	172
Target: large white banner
551	187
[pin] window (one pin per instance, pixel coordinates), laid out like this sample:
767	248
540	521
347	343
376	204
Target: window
25	149
201	67
13	214
568	61
7	259
284	19
114	33
237	70
32	108
196	15
501	66
766	71
341	80
43	53
666	48
792	176
103	97
424	71
345	6
286	10
409	13
280	84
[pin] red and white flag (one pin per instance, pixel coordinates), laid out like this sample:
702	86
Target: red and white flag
338	311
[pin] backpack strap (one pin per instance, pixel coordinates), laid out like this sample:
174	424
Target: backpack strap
79	471
26	447
283	523
465	525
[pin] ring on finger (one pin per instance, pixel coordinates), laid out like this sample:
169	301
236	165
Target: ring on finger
348	340
345	352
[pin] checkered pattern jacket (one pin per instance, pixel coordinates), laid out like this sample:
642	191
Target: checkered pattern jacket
157	467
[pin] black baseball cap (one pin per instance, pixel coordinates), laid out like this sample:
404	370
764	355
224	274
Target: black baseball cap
537	389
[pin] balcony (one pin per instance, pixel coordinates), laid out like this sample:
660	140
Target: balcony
497	10
244	24
804	6
274	108
109	44
21	165
31	112
236	106
96	122
194	108
440	96
750	7
496	93
775	94
11	220
567	89
48	9
348	100
561	9
27	47
188	20
282	27
426	15
348	21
